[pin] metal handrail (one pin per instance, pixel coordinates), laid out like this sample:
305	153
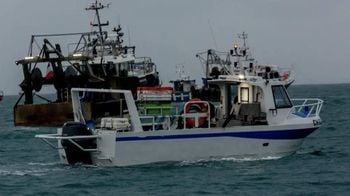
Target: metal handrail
45	138
311	107
58	136
184	116
154	123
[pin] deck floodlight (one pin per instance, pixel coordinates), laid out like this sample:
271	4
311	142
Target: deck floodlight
29	58
241	76
77	55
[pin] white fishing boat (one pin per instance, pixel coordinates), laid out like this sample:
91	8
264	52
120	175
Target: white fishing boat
254	118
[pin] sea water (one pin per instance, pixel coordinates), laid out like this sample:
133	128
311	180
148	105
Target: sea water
28	166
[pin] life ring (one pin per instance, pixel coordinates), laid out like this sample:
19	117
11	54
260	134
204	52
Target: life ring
196	108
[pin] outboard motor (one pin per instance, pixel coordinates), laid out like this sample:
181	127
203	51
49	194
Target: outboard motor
73	153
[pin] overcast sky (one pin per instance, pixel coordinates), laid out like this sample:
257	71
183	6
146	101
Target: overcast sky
312	36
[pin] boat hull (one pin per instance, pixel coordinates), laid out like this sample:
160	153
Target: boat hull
259	142
49	114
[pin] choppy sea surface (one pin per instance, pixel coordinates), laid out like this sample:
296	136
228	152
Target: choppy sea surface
28	166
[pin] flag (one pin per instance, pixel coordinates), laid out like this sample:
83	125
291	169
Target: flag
49	72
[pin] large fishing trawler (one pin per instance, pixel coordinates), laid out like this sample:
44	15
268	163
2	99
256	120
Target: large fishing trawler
96	59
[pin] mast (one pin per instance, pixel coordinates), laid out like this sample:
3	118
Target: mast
207	64
96	7
244	37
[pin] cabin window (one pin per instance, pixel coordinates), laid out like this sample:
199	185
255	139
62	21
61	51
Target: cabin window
281	97
244	95
123	69
111	69
211	94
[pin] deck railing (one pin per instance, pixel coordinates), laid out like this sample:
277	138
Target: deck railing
166	122
47	137
305	108
163	120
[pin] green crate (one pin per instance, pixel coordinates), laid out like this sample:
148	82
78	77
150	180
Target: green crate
158	108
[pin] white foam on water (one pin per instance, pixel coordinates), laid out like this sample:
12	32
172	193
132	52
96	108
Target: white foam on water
26	129
11	173
44	164
231	159
246	159
15	171
22	173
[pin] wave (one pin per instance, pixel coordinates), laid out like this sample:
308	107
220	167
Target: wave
230	159
19	128
34	169
44	164
245	159
28	172
311	152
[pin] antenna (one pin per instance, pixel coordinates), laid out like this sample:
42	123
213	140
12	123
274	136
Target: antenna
245	48
118	18
180	70
120	35
243	36
212	34
129	36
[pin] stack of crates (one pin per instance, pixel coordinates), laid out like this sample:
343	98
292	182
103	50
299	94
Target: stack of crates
155	101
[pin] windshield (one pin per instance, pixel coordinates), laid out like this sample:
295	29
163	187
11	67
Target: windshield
281	97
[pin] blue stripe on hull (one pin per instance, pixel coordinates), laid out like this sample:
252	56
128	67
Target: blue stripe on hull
277	134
